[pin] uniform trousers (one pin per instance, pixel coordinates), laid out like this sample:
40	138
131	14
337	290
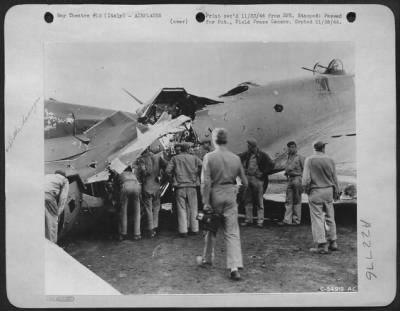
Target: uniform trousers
151	202
254	199
293	201
129	198
223	201
186	203
51	217
320	201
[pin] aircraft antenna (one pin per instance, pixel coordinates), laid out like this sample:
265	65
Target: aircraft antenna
133	96
308	69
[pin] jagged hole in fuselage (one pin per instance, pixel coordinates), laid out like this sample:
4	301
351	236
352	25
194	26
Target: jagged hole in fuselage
174	102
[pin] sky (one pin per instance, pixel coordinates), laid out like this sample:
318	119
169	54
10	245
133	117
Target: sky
94	74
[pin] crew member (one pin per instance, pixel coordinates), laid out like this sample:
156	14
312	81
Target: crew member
219	190
129	197
257	165
204	148
293	172
321	185
56	187
184	170
149	170
177	149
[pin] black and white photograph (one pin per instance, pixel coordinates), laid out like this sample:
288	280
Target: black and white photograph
172	162
131	195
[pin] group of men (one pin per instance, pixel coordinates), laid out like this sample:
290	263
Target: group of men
316	175
221	176
183	171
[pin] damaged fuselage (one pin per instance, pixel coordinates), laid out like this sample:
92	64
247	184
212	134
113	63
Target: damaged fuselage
86	141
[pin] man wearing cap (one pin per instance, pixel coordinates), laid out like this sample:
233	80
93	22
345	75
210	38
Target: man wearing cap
184	170
129	197
293	172
56	187
321	185
149	170
204	148
257	165
220	170
177	149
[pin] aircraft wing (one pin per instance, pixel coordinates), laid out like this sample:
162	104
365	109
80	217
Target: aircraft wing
126	156
281	197
115	139
103	139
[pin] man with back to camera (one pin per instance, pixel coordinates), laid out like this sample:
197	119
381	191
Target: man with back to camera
321	185
257	165
184	170
221	167
56	187
149	170
204	148
129	196
293	173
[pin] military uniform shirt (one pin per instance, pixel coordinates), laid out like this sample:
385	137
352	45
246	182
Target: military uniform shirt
220	167
253	167
294	165
58	186
319	172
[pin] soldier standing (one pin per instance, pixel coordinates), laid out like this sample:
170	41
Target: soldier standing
321	185
257	165
184	170
293	172
149	170
219	190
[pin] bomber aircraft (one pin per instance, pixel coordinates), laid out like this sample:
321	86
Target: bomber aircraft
89	143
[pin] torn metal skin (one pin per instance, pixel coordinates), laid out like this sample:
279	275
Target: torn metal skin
89	143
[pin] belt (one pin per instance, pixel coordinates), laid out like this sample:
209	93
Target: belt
51	193
227	183
129	180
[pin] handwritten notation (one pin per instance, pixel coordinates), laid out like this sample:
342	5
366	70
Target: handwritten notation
17	130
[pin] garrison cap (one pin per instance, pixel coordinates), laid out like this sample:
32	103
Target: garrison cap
319	144
185	146
252	141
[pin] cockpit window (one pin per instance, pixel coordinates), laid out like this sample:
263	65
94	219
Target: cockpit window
335	67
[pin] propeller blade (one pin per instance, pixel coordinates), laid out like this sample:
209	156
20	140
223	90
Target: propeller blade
133	96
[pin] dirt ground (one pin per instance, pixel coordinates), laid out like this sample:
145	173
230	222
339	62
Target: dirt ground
276	259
